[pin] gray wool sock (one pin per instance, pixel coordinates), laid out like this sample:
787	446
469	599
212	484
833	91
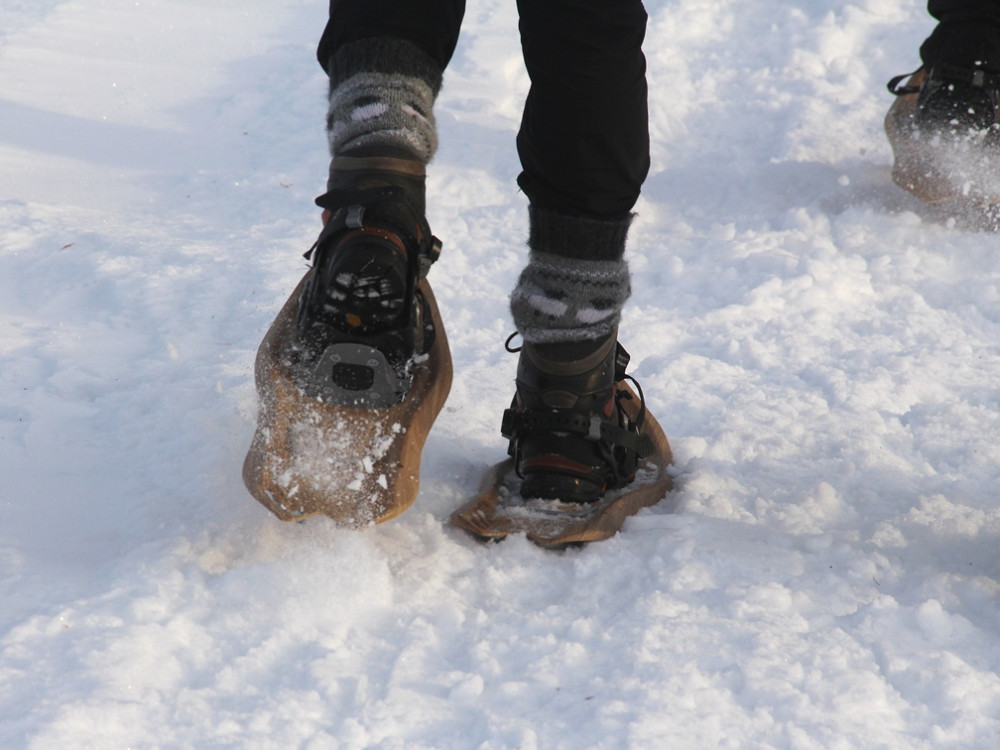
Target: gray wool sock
576	281
382	95
559	299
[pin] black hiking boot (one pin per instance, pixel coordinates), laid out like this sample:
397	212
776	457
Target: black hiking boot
361	319
569	436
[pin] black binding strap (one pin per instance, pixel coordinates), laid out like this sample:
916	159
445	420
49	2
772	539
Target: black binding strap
591	427
896	90
976	77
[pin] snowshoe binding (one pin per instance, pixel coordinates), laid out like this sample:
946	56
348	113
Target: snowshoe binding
584	451
356	367
945	135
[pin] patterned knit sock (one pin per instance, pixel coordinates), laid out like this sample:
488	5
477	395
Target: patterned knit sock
382	95
576	281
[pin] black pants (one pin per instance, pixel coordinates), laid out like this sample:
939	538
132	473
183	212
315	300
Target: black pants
584	137
968	33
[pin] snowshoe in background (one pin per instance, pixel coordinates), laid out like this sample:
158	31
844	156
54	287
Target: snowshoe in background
356	367
584	452
945	136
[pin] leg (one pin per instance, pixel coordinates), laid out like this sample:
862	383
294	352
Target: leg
385	59
584	148
584	139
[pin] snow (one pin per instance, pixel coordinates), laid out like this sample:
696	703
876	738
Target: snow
820	348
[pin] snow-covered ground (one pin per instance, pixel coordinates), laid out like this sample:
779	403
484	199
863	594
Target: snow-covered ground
821	348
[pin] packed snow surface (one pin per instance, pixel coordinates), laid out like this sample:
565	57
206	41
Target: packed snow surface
821	349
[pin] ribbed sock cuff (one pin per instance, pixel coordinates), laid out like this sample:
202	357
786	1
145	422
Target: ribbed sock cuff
578	237
384	55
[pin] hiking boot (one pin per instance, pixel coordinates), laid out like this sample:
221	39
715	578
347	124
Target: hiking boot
361	320
569	436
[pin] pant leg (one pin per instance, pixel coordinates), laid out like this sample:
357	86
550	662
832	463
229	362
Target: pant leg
968	34
584	137
431	25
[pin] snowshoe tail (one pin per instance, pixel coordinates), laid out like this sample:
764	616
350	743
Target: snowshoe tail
312	456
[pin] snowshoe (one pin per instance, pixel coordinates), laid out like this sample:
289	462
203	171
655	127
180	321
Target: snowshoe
945	136
584	452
